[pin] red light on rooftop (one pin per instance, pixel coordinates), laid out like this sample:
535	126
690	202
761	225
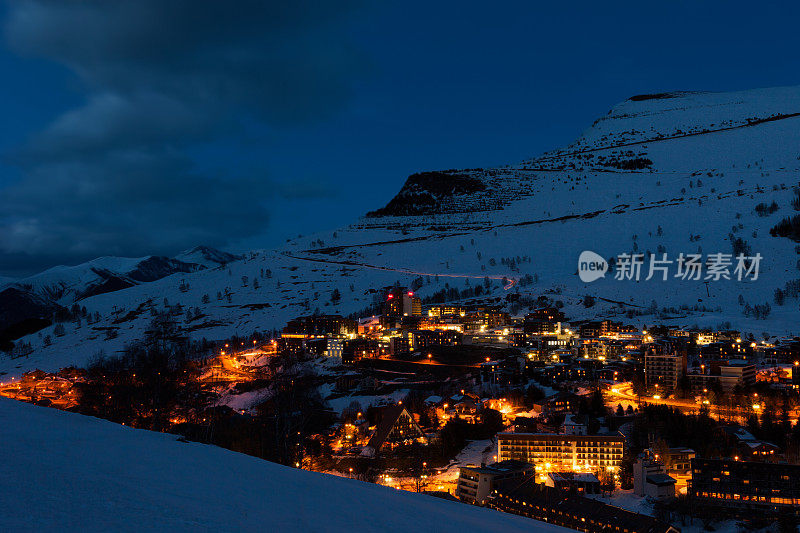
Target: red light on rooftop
390	297
410	293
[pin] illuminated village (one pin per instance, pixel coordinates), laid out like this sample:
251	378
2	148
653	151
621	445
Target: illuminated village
586	424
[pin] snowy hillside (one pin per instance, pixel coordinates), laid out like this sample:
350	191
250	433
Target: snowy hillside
677	173
90	475
67	284
667	115
27	303
665	174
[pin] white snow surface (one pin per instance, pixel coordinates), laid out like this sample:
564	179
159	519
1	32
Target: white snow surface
67	472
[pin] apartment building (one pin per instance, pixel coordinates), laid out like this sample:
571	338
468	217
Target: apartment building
476	483
663	369
567	453
745	486
734	372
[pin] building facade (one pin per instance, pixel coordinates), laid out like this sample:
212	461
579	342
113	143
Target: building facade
401	302
663	370
555	506
321	325
745	486
651	480
476	483
569	453
728	374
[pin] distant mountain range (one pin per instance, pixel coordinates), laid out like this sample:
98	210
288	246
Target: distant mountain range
27	304
669	173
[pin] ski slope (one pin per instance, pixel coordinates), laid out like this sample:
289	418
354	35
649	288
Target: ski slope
67	472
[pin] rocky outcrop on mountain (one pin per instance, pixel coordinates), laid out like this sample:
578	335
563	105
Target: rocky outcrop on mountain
427	191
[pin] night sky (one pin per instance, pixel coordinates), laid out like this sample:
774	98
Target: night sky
149	126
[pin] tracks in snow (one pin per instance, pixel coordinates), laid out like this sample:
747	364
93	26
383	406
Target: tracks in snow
510	281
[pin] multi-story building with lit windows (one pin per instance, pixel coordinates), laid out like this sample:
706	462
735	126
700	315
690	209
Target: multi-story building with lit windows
321	325
476	483
401	302
571	453
440	311
745	486
663	369
729	375
439	337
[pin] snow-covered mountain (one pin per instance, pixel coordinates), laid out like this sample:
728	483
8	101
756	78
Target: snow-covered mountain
67	284
91	475
28	303
665	174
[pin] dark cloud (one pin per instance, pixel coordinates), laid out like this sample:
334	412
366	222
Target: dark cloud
161	77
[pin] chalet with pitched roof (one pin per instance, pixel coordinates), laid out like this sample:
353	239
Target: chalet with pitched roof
396	428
